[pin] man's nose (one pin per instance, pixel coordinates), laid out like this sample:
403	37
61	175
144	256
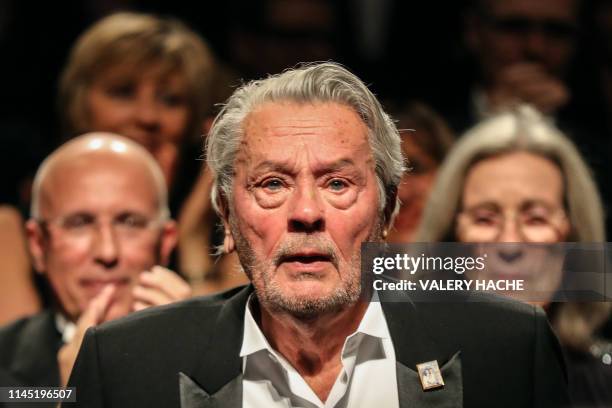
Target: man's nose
106	246
306	210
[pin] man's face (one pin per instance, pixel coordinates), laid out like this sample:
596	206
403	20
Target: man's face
304	198
100	226
524	31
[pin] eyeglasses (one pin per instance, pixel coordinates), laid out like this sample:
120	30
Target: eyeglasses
521	26
127	225
532	224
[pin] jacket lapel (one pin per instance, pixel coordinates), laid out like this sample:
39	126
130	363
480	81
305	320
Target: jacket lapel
192	396
217	379
413	345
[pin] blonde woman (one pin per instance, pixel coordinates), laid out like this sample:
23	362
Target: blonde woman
515	178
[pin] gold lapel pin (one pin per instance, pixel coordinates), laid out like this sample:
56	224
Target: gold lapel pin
430	375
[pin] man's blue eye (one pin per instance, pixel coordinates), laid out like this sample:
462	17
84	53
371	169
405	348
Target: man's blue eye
337	185
274	184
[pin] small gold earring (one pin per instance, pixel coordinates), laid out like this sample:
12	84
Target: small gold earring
385	233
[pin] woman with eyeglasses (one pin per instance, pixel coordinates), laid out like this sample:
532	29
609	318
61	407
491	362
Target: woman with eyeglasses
515	179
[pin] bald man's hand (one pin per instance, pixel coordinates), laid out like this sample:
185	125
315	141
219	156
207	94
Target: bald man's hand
159	286
93	315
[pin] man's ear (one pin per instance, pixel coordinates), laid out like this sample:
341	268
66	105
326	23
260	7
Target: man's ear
37	241
390	207
168	240
228	239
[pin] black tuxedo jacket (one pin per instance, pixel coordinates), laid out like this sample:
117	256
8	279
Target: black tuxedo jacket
492	354
28	352
28	355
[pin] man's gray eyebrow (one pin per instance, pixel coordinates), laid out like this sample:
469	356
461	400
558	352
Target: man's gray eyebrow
280	166
339	164
271	165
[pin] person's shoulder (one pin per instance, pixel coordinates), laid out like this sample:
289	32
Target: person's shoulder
19	338
486	315
483	305
483	302
199	311
13	333
167	336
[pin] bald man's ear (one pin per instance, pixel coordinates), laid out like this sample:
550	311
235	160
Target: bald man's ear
168	240
37	242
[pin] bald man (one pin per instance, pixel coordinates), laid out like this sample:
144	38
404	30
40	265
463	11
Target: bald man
100	231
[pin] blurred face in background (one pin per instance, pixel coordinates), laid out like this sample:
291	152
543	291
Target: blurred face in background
99	226
145	106
414	187
507	32
515	198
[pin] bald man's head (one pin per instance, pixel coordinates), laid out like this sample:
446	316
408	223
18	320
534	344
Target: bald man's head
99	217
95	149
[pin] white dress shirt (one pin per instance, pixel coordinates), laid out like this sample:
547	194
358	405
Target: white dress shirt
367	378
65	327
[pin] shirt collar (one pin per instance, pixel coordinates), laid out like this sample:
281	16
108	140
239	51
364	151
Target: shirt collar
253	340
372	324
66	327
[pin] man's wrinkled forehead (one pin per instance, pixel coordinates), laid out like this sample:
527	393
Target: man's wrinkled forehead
334	132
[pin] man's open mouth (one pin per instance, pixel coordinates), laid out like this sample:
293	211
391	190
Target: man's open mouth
306	259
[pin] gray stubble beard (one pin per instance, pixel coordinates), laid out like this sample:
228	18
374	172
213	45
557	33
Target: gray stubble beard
270	294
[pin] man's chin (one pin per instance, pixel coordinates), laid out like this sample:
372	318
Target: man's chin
308	299
307	288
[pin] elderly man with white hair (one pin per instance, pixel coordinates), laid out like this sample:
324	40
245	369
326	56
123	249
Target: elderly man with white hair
306	166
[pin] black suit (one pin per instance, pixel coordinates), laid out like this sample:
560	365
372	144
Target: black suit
28	354
28	351
492	354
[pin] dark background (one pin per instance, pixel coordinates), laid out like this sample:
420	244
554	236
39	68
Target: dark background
416	53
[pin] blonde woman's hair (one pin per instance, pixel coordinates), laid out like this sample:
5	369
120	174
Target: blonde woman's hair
524	129
135	41
519	129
